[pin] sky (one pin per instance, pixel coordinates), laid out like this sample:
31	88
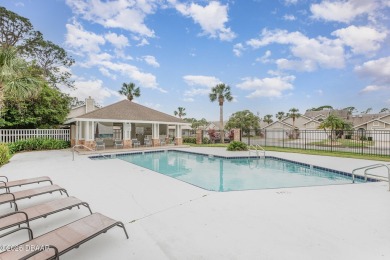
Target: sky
274	54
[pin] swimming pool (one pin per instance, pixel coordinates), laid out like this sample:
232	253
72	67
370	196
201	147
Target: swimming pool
231	174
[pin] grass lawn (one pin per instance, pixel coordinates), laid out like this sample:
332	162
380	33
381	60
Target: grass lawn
312	152
344	143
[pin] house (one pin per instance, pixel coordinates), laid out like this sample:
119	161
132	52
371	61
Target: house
127	121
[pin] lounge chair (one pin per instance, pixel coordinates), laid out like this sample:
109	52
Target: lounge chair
12	197
118	143
9	184
135	142
162	142
40	211
100	144
61	240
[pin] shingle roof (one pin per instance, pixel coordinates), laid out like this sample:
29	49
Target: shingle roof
127	110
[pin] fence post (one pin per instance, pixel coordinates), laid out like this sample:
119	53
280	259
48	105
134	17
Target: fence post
265	137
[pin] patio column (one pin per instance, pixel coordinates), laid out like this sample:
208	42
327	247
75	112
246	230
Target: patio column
89	140
155	134
178	139
127	135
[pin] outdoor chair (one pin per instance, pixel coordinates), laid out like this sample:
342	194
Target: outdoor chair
39	211
118	143
135	142
12	197
100	144
148	142
9	184
162	142
61	240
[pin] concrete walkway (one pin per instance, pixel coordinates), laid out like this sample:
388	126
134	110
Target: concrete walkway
169	219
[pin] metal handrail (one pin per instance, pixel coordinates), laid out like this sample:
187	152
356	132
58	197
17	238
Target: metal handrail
81	145
256	148
370	167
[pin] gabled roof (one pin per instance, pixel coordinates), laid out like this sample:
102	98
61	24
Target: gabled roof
373	120
276	122
126	110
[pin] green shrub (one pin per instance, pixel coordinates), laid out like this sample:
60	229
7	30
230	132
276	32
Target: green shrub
237	146
189	140
205	140
4	154
37	144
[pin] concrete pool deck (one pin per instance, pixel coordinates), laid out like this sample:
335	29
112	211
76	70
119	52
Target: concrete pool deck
169	219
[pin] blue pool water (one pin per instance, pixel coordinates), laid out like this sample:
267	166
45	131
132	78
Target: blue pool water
222	174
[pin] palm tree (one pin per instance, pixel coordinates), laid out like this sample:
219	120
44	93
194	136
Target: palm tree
384	110
130	91
336	125
280	115
221	92
180	112
268	119
293	113
18	79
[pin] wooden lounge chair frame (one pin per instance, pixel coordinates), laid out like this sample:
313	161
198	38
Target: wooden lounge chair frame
40	211
9	184
58	239
24	194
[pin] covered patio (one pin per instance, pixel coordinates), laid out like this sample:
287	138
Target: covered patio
127	123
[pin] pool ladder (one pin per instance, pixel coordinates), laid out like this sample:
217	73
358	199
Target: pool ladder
86	147
371	167
257	149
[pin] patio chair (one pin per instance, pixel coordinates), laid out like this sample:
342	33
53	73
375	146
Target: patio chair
147	142
12	197
9	184
40	211
118	143
63	239
162	142
100	144
135	142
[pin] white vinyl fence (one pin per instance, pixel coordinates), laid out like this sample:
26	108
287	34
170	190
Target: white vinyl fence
13	135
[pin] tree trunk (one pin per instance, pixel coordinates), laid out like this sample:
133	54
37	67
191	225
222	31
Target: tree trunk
222	136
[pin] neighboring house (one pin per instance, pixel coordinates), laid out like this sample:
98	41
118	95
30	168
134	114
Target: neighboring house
311	120
127	121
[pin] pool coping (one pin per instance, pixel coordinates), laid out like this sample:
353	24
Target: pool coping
343	173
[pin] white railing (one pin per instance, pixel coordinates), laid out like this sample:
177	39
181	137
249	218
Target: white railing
13	135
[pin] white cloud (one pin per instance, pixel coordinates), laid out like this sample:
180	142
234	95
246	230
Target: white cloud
267	87
342	11
237	49
372	88
211	18
290	2
81	40
289	17
151	60
265	57
362	40
378	70
116	13
311	52
198	80
91	88
143	42
298	65
119	41
204	83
